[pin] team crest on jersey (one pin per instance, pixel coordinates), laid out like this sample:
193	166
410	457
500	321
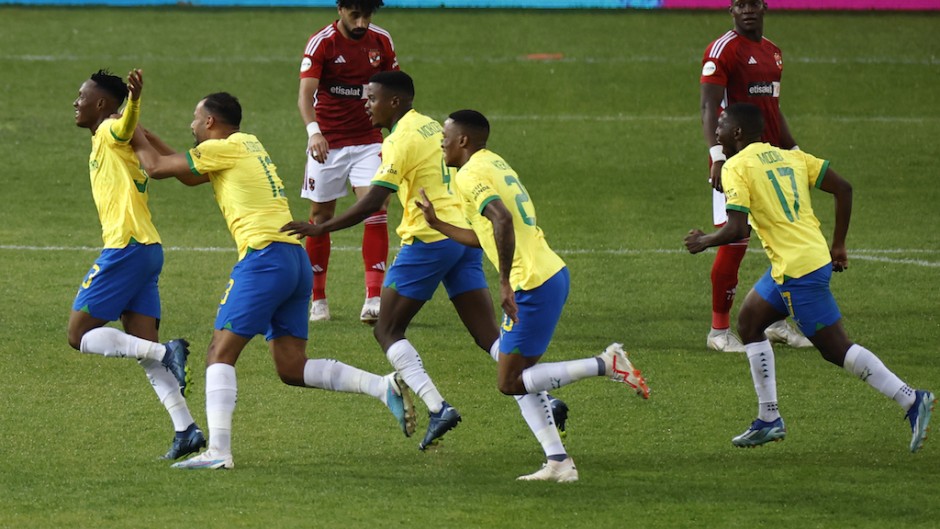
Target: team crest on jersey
779	60
375	57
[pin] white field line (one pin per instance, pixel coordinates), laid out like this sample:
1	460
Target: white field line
867	254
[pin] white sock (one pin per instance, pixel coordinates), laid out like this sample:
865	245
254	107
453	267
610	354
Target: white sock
334	375
168	391
494	350
865	365
761	357
112	343
221	394
537	413
406	360
552	375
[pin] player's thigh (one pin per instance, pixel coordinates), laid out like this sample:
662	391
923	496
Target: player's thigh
326	182
810	301
290	317
466	272
260	283
420	267
538	315
122	279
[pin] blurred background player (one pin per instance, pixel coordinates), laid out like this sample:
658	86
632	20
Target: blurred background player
269	288
533	284
122	284
740	66
772	187
342	144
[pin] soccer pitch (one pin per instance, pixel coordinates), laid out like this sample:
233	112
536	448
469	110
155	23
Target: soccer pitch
606	138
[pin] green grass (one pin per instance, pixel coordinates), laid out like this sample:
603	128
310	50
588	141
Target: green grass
608	143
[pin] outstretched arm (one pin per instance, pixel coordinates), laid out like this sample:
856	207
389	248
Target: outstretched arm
123	128
841	190
371	202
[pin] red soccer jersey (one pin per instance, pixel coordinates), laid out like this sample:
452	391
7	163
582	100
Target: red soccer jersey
750	72
344	67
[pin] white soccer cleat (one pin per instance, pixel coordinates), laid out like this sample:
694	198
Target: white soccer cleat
208	460
783	332
319	310
557	471
724	341
370	310
620	369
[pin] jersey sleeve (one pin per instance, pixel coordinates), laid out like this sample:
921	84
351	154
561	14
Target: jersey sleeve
478	188
737	194
394	158
211	156
122	129
715	69
815	169
311	66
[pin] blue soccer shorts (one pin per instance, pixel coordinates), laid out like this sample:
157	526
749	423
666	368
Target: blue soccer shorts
268	292
539	312
420	267
122	280
806	299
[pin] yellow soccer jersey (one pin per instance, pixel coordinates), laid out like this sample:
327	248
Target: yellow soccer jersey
773	187
119	185
247	188
412	160
487	177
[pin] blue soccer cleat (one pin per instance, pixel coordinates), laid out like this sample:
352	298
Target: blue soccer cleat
919	415
438	424
399	402
175	362
761	432
187	442
560	414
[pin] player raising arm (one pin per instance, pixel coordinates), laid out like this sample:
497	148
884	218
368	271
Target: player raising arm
122	284
771	186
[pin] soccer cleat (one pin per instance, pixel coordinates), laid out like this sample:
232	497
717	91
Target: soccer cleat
724	341
761	432
174	360
208	460
557	471
319	310
370	310
399	401
187	442
438	424
919	415
782	332
619	369
560	414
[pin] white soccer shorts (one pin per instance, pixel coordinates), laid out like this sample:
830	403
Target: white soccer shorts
356	164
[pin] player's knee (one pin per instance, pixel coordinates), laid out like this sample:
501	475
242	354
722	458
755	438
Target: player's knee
75	338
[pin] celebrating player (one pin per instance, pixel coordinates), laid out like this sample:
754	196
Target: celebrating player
411	160
342	145
772	186
533	284
122	284
269	288
740	66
